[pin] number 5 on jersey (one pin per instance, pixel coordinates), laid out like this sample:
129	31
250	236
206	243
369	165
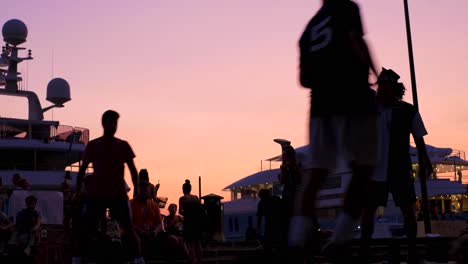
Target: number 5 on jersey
320	35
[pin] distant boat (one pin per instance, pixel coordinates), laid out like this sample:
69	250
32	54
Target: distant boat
449	195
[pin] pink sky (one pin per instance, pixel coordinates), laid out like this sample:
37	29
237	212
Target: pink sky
204	86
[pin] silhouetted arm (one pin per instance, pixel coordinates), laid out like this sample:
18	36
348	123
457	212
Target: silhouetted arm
353	26
181	206
135	178
360	48
260	214
81	174
425	163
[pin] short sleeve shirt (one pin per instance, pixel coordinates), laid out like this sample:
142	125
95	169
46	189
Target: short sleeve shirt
328	63
108	157
384	122
417	126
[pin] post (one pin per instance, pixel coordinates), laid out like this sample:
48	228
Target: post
422	176
199	187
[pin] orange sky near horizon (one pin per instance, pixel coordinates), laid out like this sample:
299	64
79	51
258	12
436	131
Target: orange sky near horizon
204	86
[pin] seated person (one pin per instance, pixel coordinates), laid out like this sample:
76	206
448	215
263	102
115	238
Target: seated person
147	221
28	223
173	223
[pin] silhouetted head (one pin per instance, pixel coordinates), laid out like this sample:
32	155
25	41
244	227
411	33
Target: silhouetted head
389	89
187	187
31	202
289	155
109	122
145	189
172	209
143	174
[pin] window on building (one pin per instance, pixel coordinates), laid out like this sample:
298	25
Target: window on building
230	224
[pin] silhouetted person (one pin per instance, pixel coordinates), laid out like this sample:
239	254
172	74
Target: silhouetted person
6	230
335	64
79	234
144	176
147	221
173	222
290	174
28	223
190	208
272	210
109	155
396	122
6	223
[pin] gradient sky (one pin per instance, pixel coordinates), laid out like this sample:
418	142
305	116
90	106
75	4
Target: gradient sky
204	86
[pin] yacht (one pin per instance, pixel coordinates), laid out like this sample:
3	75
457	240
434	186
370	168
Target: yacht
44	153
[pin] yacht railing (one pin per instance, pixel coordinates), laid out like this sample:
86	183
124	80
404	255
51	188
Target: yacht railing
70	134
46	132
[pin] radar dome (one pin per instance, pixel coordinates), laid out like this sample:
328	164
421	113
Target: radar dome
58	91
14	32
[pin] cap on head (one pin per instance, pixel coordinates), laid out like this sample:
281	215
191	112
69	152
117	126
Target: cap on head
388	75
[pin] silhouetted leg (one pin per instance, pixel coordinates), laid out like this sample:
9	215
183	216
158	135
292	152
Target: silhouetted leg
198	251
358	190
367	230
119	209
303	216
411	229
354	202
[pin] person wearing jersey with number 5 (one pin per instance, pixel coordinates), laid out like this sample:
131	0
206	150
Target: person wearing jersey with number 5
335	65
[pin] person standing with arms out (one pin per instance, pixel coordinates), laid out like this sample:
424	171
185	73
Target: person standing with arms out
397	121
107	189
335	65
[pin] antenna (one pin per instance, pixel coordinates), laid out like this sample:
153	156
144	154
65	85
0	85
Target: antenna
52	76
52	69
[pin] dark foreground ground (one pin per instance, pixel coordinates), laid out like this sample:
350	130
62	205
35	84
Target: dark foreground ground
432	250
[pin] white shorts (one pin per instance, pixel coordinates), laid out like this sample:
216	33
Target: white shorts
339	141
